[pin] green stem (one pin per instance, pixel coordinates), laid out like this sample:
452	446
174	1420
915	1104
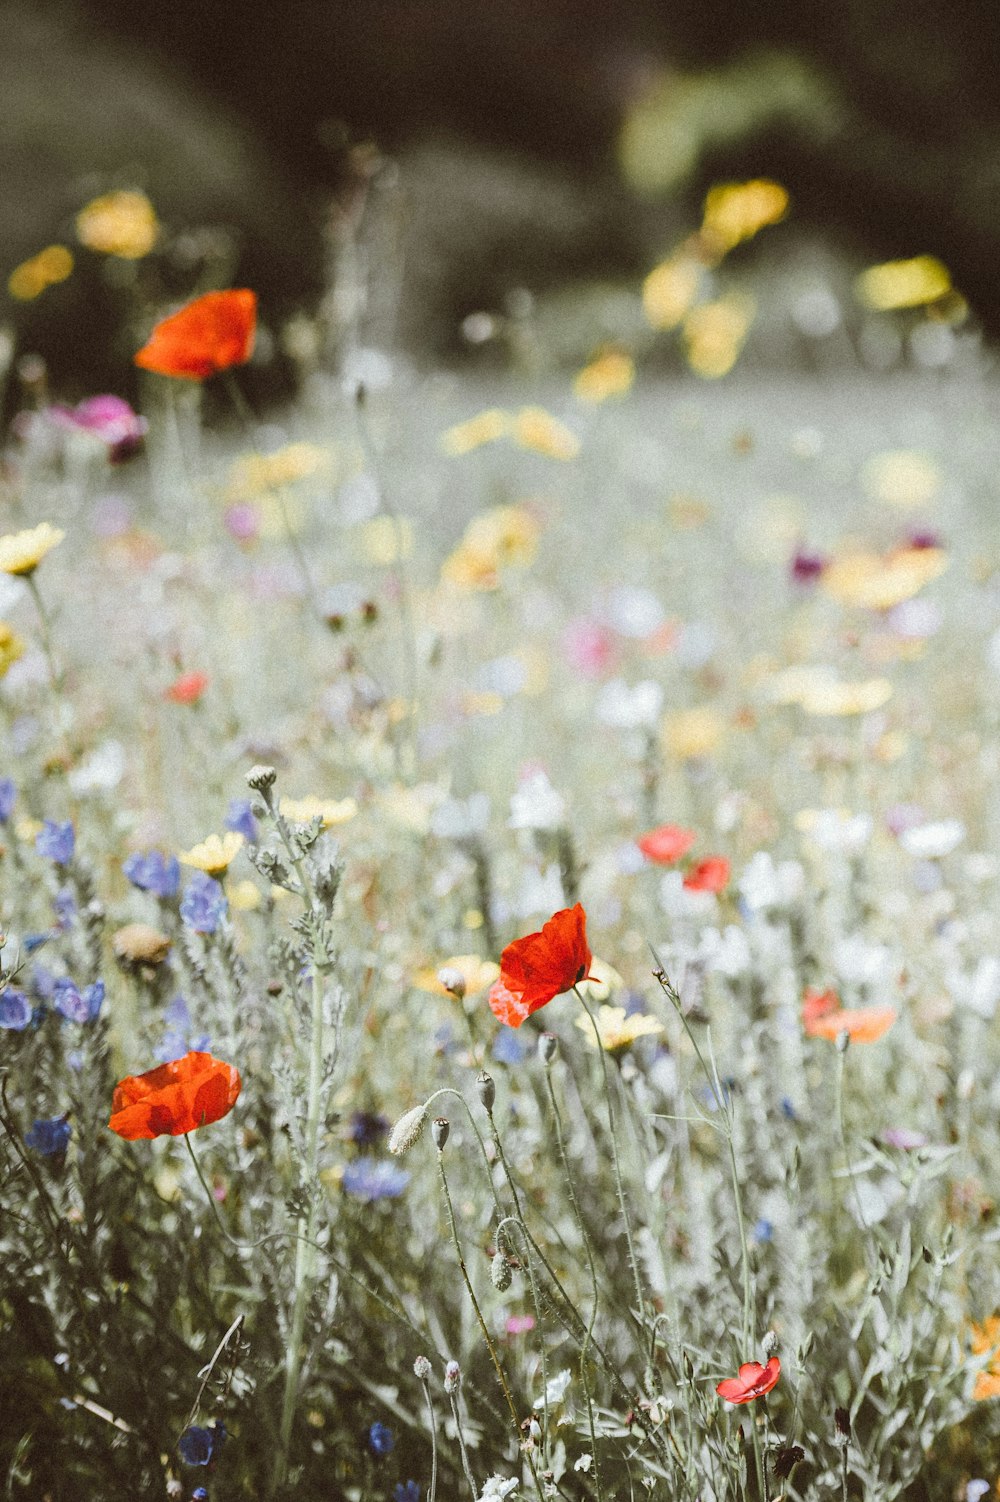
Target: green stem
432	1494
461	1445
45	632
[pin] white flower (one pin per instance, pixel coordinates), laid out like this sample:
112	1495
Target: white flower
726	953
634	611
931	841
536	804
765	885
860	962
979	991
835	829
627	708
584	1463
555	1389
541	892
101	771
496	1488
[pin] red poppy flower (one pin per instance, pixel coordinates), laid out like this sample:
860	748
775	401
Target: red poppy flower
174	1098
861	1024
188	688
540	966
816	1004
753	1381
709	875
210	334
666	844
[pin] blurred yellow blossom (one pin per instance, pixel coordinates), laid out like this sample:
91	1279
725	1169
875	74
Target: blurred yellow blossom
818	690
476	972
485	702
11	647
714	333
254	475
487	427
736	211
611	373
244	896
617	1031
497	538
689	733
604	979
878	583
22	552
119	224
387	539
49	266
670	289
328	810
410	807
538	430
900	477
985	1340
903	284
214	855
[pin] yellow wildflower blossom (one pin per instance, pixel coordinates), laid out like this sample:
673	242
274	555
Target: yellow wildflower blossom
469	570
49	266
244	896
538	430
387	539
328	810
670	289
11	647
736	211
22	552
255	475
901	478
610	373
692	732
214	855
487	427
714	333
477	973
120	224
501	536
903	284
876	583
985	1338
819	691
616	1030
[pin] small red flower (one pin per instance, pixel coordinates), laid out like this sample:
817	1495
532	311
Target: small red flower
212	333
709	875
540	966
666	844
174	1098
753	1381
187	689
816	1004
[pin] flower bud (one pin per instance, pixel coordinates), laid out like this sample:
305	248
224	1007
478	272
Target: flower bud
406	1131
486	1088
770	1344
452	1377
548	1047
422	1368
843	1042
453	981
261	779
500	1273
440	1127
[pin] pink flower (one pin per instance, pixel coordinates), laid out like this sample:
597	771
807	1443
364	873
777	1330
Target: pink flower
589	647
519	1324
108	418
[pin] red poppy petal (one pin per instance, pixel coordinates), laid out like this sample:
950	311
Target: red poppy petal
509	1006
710	875
751	1373
666	844
732	1389
176	1097
212	333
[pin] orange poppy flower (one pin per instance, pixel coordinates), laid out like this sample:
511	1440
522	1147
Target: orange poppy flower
212	333
818	1004
174	1098
540	966
824	1017
710	875
188	688
753	1381
666	844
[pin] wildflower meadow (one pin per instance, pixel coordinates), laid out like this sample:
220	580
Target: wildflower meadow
499	874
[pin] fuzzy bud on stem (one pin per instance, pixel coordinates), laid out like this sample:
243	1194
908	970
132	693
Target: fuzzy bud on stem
453	981
486	1088
422	1368
261	779
452	1377
406	1131
500	1273
440	1127
548	1047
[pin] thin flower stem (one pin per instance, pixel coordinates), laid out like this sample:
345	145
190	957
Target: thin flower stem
450	1090
461	1445
432	1494
45	632
870	1249
619	1183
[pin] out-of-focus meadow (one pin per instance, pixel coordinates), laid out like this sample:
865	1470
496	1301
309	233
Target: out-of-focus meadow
499	861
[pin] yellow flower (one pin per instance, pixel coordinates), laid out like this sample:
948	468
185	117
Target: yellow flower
49	266
11	647
692	732
328	810
244	896
670	289
386	540
736	211
616	1030
604	979
538	430
875	583
118	224
487	427
611	373
499	537
818	691
985	1338
22	552
214	855
255	475
714	333
475	971
469	570
903	284
901	478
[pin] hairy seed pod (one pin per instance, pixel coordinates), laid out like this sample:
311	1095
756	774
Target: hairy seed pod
406	1131
486	1088
452	1377
548	1047
440	1127
500	1273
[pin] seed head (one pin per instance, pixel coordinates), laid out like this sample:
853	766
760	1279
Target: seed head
440	1127
261	779
548	1047
453	981
770	1344
406	1131
486	1088
422	1368
500	1273
843	1041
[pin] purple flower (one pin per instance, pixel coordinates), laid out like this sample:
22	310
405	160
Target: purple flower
49	1136
108	418
367	1128
381	1440
374	1179
152	871
199	1446
64	905
8	797
77	1006
204	904
15	1010
180	1037
806	567
56	842
407	1491
241	819
903	1138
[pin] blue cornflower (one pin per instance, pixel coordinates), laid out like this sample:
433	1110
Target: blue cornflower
381	1440
406	1491
8	797
152	871
49	1136
374	1179
56	842
200	1446
240	819
367	1128
763	1230
508	1048
15	1010
180	1037
204	904
74	1005
200	1494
